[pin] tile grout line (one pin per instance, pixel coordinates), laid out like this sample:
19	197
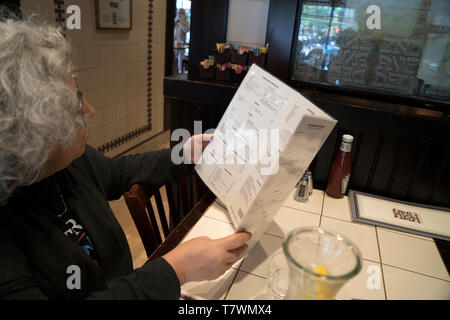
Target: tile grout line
227	222
321	211
317	214
381	264
370	260
256	275
234	279
384	229
415	272
405	234
274	235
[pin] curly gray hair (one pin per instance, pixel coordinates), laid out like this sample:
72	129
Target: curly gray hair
39	110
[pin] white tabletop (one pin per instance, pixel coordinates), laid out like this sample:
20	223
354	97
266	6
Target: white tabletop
395	265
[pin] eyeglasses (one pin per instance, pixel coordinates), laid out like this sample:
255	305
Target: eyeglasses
80	97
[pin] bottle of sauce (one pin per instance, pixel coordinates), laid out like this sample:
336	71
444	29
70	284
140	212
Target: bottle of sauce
340	169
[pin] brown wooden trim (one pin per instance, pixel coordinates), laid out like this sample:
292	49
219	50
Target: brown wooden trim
136	201
178	234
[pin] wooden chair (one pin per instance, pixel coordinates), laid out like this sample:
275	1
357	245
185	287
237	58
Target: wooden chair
182	198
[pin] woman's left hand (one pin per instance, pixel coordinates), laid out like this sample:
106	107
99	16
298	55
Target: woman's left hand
193	148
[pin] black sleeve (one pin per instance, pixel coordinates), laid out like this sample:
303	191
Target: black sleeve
116	175
16	279
154	280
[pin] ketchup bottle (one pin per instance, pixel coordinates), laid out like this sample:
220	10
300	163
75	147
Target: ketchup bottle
340	169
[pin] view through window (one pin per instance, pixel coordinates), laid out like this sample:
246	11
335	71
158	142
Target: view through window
398	47
181	36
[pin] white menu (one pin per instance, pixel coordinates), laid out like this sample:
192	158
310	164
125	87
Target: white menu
263	144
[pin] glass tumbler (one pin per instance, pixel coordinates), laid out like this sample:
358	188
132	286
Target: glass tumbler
319	262
277	276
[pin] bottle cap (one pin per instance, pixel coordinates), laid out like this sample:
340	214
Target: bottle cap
347	138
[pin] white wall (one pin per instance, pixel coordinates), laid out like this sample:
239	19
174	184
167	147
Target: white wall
247	21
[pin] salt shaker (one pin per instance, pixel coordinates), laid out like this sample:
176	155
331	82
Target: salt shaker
301	194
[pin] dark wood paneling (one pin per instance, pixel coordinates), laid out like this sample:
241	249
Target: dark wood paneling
385	165
208	26
203	92
442	192
280	35
425	172
171	9
363	163
408	157
403	156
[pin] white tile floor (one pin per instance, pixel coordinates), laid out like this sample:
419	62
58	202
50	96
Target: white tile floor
396	265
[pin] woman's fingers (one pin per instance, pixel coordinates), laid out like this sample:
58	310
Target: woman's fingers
206	139
235	240
194	147
235	254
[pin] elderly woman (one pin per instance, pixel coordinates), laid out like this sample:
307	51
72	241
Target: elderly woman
54	189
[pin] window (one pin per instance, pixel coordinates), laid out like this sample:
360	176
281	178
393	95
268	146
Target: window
405	52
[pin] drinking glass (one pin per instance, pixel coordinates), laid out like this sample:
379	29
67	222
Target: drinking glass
277	276
320	262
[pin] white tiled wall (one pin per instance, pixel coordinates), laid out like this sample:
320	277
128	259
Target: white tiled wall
112	69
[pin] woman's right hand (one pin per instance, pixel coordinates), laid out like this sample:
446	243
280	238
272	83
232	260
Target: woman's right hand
206	259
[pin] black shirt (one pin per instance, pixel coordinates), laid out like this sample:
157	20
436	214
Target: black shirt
37	259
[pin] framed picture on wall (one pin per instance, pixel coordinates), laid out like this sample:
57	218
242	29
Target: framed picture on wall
114	14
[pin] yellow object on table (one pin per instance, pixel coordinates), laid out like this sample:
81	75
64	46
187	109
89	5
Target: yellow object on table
321	288
321	270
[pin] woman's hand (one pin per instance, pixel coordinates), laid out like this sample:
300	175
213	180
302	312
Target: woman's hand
206	259
193	148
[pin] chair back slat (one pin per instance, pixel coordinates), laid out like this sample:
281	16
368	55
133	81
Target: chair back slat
172	205
140	218
195	190
162	214
184	197
181	197
154	223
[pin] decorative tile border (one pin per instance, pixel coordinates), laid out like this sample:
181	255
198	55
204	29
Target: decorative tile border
60	16
124	139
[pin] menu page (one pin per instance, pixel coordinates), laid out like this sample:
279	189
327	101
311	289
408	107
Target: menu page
264	142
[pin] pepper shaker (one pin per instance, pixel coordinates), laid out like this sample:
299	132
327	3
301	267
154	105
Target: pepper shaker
310	182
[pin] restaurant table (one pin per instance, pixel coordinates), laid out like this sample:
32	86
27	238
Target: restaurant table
395	265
